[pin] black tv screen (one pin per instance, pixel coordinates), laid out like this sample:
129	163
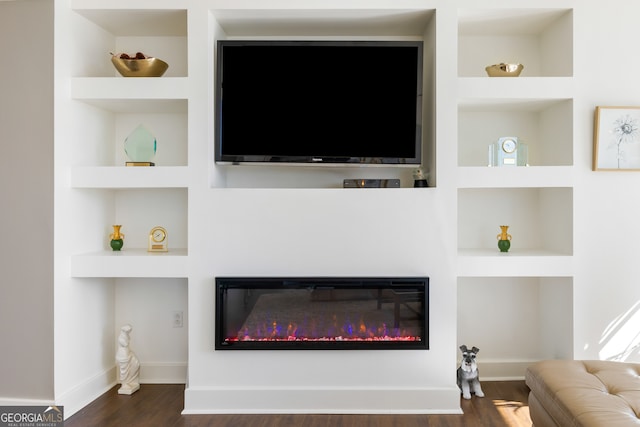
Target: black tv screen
319	102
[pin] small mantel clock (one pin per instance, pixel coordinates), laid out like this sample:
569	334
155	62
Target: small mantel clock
158	240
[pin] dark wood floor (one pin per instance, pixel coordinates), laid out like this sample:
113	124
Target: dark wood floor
159	405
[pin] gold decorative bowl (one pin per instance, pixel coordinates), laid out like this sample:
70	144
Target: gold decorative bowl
504	70
149	67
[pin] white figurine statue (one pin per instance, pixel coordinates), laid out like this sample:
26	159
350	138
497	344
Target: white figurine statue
128	363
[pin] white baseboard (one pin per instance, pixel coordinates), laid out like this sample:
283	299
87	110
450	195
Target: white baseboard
284	400
10	401
503	369
151	373
82	394
163	373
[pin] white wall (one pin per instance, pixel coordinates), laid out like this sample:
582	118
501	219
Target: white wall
607	204
321	233
26	212
315	231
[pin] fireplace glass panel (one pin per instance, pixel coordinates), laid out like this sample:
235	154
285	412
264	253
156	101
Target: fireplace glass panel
321	313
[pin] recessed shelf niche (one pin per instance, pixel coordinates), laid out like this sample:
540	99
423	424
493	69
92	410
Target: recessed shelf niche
161	33
545	125
540	39
540	220
535	313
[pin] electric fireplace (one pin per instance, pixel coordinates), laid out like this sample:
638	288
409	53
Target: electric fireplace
325	313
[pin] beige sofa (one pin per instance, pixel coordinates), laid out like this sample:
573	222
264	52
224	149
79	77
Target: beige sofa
567	393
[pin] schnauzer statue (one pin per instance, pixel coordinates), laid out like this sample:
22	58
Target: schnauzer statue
468	378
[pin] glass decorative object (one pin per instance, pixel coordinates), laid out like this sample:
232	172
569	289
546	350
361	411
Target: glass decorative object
140	147
508	151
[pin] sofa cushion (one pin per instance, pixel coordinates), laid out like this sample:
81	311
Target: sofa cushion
587	393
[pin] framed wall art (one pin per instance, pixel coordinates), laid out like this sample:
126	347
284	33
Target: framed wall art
616	139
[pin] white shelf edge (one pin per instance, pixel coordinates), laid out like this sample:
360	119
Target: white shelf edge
322	191
129	177
515	177
127	4
130	88
515	88
515	263
131	263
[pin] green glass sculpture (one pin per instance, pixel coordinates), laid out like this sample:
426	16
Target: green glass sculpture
140	147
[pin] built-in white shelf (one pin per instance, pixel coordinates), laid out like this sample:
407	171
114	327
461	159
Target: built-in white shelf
120	94
130	177
517	263
285	176
131	263
530	90
515	177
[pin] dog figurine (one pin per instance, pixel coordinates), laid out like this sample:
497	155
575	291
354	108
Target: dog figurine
468	377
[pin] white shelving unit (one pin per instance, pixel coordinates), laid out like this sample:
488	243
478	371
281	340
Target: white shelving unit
140	197
96	110
530	287
448	231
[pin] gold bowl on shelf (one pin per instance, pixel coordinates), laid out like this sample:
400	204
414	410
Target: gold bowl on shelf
148	67
504	70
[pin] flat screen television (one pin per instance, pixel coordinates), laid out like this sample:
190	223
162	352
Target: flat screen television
345	102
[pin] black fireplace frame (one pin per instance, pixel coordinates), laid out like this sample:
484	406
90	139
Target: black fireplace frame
406	286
